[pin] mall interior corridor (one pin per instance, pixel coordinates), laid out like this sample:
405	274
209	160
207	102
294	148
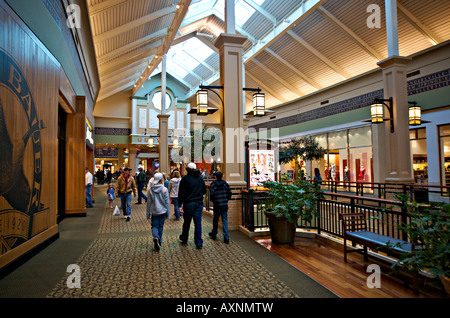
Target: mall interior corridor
117	259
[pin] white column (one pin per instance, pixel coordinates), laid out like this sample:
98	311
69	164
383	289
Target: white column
391	27
134	116
230	19
163	84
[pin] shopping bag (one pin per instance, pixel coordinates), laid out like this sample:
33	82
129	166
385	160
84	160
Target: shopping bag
116	211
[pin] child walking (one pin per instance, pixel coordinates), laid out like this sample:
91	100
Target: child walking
158	207
110	194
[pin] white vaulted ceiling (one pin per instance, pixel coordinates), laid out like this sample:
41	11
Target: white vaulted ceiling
294	47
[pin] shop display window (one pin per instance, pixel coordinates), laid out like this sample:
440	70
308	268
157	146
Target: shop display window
418	144
444	150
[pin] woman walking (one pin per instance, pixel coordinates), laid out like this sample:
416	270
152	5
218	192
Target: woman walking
158	207
174	184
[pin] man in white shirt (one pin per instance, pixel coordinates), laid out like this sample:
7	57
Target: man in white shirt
88	183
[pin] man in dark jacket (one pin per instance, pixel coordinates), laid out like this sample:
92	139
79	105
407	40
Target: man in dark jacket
219	194
190	196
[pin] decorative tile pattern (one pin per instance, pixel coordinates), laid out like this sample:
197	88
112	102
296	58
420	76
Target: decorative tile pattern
127	266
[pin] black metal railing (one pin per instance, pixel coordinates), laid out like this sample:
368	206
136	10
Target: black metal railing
416	192
384	216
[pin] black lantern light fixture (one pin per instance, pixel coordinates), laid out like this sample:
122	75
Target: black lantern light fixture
377	111
415	114
259	108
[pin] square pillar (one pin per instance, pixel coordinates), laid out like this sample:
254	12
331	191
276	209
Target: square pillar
232	123
398	152
164	166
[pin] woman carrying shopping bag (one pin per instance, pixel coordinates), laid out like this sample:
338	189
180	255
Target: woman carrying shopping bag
158	207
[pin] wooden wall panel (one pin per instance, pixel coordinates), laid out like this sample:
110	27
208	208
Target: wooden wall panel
75	160
29	89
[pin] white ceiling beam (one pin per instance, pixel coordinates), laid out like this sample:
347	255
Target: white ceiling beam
199	13
187	69
289	86
266	88
105	5
128	74
202	62
366	47
238	28
180	13
134	24
303	10
139	64
184	37
111	91
134	45
122	62
262	11
304	77
415	22
319	55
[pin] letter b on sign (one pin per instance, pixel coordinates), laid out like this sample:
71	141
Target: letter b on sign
74	279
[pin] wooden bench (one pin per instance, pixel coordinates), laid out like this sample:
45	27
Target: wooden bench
355	230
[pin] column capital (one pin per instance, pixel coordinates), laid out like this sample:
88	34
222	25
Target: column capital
394	61
233	39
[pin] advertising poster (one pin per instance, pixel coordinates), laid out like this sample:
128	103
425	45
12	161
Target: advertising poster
262	166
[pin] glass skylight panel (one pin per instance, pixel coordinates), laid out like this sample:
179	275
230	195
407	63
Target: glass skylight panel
243	12
184	59
176	70
197	48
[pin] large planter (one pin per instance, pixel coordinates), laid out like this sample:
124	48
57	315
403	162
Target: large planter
446	282
281	230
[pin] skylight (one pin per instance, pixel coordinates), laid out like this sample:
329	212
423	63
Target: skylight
243	11
182	55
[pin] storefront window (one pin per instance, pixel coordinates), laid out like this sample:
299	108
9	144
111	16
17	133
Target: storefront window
444	138
337	143
418	144
348	157
360	164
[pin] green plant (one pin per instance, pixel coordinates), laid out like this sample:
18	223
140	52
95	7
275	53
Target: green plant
305	148
428	230
291	200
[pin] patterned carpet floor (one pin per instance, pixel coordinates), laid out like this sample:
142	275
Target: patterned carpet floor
121	262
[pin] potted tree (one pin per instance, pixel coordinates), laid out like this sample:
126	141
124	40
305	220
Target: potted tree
286	202
428	229
297	150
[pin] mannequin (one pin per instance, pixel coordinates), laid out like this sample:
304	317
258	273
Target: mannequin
346	174
362	173
333	172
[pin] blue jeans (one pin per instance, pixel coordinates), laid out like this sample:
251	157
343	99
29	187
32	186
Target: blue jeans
158	226
141	195
192	210
176	208
223	213
88	196
126	203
